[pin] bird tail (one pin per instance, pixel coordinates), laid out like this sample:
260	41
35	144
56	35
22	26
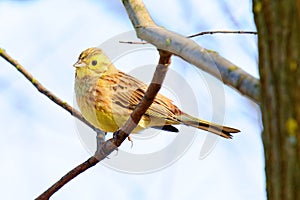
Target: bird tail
220	130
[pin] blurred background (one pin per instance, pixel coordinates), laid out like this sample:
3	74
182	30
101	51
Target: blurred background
39	140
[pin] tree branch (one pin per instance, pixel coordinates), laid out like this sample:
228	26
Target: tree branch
44	90
103	148
190	51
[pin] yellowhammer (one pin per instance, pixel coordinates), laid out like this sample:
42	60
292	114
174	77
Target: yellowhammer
107	96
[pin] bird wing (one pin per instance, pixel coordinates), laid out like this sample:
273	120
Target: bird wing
129	91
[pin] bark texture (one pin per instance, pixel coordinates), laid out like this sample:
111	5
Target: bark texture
278	25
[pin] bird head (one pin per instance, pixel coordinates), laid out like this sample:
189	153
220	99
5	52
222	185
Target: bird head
92	62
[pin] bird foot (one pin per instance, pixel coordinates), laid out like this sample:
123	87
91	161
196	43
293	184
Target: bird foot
129	138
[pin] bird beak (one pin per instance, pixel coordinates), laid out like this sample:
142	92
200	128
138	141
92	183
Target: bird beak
79	64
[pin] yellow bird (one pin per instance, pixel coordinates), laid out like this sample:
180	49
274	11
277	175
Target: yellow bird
106	97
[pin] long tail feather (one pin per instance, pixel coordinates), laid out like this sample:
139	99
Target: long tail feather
223	131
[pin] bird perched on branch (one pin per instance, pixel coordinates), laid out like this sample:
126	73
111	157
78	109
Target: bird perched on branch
106	97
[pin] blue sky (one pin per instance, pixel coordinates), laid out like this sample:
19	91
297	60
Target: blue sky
40	141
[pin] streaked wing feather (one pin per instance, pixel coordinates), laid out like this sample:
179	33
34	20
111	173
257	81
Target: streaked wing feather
130	91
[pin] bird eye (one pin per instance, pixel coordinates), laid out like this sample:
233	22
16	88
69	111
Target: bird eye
94	62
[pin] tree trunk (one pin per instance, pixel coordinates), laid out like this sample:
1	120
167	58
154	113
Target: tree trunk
278	25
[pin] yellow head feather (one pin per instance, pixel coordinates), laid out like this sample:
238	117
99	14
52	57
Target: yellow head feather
93	62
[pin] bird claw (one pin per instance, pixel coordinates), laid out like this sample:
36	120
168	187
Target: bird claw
129	138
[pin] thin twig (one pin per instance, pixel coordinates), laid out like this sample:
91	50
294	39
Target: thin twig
198	34
131	42
45	91
225	32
